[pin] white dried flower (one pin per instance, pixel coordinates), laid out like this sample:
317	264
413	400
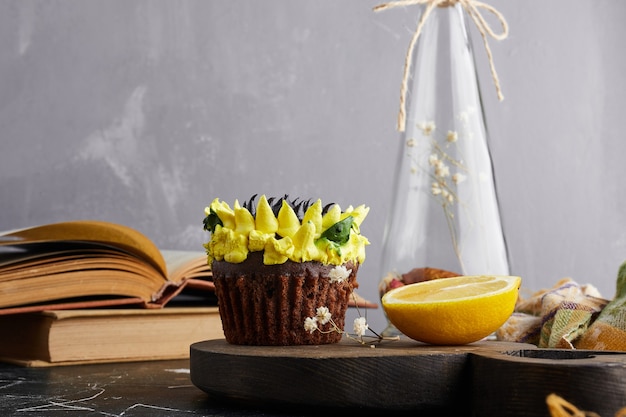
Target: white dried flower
442	170
433	159
458	178
360	326
310	324
339	274
452	136
427	127
410	143
322	314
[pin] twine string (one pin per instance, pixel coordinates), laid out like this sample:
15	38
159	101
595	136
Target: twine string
472	7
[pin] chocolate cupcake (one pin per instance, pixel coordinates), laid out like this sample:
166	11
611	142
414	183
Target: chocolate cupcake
276	263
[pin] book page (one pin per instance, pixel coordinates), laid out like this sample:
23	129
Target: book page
186	264
112	234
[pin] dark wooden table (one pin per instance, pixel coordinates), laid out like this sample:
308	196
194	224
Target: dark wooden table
462	379
159	388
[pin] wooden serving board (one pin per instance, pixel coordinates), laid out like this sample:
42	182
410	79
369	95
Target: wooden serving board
486	378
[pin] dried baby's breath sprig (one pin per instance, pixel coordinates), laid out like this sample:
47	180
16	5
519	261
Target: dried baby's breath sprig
446	171
323	317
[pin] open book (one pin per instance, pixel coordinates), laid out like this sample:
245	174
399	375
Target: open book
89	263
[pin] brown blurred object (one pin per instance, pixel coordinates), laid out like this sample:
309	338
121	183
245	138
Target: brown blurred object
358	301
415	275
426	274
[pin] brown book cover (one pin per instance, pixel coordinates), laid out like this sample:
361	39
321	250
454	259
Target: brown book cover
89	263
69	337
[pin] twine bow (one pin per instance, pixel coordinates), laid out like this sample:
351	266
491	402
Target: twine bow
472	8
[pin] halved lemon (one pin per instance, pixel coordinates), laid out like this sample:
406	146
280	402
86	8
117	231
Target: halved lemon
452	311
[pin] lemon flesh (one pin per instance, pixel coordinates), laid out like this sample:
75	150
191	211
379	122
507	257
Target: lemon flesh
452	311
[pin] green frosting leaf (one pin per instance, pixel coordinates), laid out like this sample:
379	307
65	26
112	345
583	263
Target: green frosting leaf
211	221
340	231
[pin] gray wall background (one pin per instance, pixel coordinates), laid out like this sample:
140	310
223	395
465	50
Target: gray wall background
142	112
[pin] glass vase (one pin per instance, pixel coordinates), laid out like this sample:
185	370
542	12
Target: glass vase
444	216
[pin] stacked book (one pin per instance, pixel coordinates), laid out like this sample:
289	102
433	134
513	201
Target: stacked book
91	291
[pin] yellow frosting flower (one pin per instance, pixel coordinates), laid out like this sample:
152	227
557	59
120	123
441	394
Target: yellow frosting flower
228	245
314	215
278	251
257	240
266	222
244	221
224	212
332	216
331	238
288	222
304	244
